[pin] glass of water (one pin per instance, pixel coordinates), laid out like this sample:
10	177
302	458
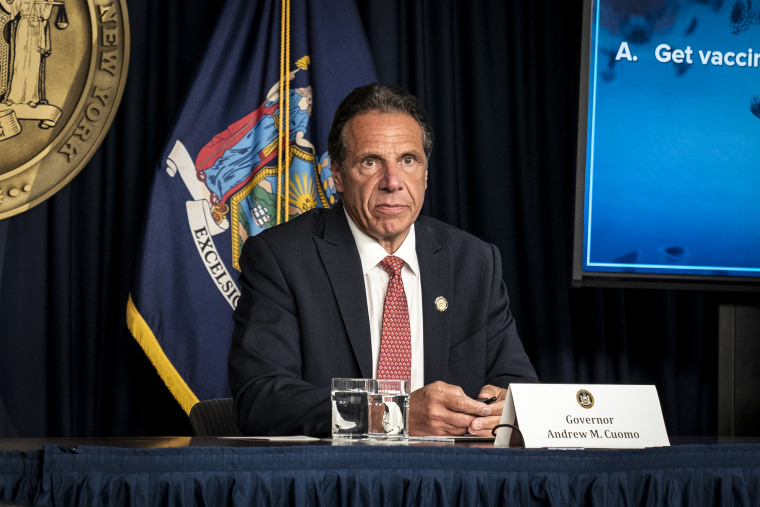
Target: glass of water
389	409
349	407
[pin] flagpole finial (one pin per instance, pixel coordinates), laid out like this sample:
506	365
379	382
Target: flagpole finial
303	62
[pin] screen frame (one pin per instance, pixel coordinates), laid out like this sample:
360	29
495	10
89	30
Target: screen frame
617	279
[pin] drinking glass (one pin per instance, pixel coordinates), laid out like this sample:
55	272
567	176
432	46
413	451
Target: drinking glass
389	409
349	407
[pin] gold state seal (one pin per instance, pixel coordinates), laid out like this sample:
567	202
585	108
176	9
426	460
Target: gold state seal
63	65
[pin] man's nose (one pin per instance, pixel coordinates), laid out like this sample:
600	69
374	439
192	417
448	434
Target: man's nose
391	179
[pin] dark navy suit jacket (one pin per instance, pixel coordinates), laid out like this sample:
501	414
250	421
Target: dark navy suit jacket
302	319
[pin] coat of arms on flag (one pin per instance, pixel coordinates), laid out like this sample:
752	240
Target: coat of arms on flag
239	169
248	153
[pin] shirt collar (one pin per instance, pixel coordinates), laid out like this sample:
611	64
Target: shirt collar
371	253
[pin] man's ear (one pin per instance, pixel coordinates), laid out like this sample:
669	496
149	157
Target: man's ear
337	177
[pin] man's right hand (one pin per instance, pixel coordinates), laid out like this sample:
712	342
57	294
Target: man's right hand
443	409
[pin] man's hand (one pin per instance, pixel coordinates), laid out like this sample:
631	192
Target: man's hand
443	409
482	426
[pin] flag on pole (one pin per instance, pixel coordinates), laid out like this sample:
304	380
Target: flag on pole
248	152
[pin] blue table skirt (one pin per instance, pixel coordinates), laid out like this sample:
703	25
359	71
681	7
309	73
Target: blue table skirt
374	475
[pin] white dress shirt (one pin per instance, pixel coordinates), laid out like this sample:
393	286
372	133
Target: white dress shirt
376	285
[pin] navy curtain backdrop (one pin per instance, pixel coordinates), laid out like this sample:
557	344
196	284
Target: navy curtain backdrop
500	80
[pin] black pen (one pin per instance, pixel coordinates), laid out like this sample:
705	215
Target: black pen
487	401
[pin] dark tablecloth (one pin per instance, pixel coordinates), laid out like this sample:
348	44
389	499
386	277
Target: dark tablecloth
381	475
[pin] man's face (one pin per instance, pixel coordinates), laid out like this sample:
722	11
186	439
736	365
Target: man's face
383	179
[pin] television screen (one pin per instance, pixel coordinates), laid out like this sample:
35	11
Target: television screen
669	144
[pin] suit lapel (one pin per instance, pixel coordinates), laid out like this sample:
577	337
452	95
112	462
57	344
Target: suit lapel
436	272
340	257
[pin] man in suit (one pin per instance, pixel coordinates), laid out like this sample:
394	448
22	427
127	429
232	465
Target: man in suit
313	291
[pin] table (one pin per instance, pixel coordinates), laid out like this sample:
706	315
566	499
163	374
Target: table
211	471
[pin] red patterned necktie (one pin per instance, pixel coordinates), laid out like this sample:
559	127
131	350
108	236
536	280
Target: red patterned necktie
396	342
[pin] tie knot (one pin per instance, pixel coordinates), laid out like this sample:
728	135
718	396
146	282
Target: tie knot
392	265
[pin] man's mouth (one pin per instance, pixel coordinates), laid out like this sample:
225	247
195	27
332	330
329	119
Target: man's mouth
390	207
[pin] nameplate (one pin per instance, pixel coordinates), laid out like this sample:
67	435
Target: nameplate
582	416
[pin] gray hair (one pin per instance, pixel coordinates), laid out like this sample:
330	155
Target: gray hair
375	97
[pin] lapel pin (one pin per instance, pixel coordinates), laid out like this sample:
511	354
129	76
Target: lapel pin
441	304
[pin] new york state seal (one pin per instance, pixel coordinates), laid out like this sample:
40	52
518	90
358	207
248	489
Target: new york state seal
63	66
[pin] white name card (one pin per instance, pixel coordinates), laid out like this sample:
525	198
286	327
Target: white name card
583	416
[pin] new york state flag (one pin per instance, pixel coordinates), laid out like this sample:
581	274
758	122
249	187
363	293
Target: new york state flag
248	152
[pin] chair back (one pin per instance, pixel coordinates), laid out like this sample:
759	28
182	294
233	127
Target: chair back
214	417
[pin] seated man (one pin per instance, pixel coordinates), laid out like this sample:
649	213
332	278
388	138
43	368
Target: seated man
313	292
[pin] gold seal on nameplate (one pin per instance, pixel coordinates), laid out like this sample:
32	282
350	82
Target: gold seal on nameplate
63	65
441	304
584	398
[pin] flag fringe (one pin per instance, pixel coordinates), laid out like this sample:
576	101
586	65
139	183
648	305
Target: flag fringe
166	370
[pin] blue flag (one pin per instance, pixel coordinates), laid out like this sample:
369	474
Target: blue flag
248	152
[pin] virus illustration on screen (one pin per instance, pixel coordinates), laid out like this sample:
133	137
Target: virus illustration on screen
639	22
745	15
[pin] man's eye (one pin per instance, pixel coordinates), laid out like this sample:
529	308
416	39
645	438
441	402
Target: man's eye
369	162
409	160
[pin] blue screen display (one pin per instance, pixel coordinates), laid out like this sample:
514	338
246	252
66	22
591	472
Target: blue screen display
672	160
